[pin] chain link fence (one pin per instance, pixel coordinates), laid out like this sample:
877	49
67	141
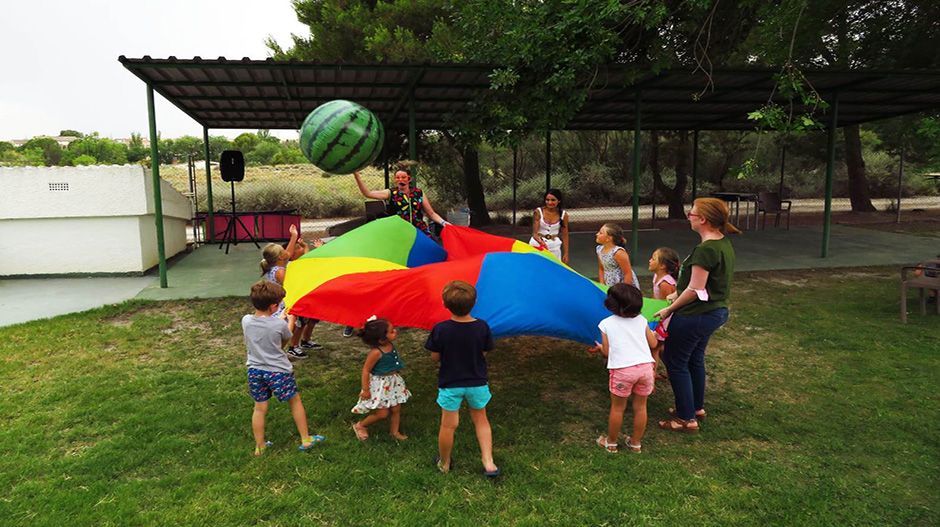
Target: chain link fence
594	171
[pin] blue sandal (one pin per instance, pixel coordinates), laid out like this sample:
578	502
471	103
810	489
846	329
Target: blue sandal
308	442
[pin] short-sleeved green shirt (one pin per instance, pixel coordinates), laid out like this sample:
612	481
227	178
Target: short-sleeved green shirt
716	257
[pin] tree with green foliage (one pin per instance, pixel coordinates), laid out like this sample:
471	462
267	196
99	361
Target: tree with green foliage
71	133
50	148
217	145
844	34
136	151
103	150
246	142
547	52
84	160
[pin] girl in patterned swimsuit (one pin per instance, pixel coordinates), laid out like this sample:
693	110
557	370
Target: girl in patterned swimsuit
406	202
613	263
383	389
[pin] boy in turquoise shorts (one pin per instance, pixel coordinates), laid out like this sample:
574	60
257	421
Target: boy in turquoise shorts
460	345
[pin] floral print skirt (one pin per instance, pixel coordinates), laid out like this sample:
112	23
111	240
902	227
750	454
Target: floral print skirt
387	391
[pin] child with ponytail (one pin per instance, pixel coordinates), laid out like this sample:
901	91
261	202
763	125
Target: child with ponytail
613	262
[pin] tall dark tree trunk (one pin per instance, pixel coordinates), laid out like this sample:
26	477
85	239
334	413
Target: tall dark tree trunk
858	184
683	157
673	195
476	199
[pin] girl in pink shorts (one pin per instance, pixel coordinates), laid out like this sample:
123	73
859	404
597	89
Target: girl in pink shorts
627	343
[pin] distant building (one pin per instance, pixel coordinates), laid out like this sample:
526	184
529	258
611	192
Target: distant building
63	140
127	141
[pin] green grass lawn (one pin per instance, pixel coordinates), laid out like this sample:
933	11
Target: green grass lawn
823	410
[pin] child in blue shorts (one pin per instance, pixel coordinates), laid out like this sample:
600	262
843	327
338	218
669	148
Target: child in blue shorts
269	370
460	345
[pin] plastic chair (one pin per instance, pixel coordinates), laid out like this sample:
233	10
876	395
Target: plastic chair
770	203
929	279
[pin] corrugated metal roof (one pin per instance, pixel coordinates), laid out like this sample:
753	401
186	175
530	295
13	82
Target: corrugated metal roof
273	94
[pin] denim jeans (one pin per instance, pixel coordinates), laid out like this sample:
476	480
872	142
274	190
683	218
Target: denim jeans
684	356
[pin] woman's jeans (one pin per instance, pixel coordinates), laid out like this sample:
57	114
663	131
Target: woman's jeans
684	356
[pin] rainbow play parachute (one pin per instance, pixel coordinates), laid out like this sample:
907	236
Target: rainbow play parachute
390	269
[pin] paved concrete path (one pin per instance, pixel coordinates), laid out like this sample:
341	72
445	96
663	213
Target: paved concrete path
26	299
208	272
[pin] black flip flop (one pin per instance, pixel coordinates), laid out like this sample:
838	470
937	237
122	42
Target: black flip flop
493	473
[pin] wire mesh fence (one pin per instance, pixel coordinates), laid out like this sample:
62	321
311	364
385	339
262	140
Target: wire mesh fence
594	171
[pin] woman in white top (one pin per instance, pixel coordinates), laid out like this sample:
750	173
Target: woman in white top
550	226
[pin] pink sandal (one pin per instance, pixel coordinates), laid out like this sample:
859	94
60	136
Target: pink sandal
361	433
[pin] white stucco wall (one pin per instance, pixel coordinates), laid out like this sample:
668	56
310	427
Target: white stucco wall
102	223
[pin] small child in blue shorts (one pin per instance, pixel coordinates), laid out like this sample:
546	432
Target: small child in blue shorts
460	345
269	370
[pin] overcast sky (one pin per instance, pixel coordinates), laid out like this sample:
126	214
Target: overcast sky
59	67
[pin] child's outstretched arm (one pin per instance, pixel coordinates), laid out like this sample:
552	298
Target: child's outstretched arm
371	359
292	243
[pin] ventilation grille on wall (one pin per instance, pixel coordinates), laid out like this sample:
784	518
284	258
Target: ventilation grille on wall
58	186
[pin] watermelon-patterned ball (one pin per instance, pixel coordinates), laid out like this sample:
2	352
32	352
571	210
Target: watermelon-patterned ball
341	137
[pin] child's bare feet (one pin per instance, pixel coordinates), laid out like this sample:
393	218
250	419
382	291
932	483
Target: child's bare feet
399	436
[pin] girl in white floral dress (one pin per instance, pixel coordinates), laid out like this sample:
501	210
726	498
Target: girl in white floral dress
383	389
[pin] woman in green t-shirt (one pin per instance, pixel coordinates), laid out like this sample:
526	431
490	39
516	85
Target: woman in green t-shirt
699	307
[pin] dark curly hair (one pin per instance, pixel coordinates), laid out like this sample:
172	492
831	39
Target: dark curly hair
375	331
624	300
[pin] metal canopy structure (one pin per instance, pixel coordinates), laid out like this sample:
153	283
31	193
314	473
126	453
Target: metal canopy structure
278	95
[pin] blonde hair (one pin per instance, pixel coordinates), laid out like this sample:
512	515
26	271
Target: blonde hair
614	230
269	257
716	214
459	297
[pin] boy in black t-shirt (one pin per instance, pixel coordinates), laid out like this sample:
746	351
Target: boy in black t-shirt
460	345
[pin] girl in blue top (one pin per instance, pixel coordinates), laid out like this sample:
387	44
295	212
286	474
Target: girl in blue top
383	389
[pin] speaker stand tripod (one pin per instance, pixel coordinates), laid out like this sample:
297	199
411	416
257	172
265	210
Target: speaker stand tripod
230	236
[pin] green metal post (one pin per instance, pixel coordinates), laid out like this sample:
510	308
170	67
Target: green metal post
210	226
694	165
157	198
635	245
412	136
385	161
548	160
830	164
